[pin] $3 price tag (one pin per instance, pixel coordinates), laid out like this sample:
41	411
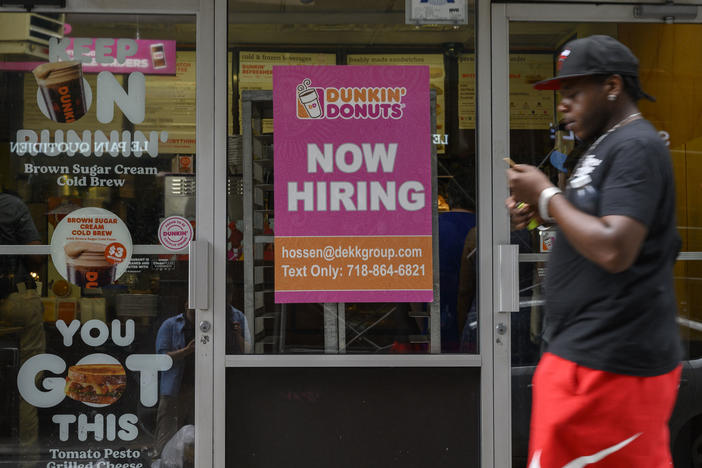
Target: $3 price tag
115	253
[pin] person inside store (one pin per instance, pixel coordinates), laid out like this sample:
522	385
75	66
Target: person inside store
466	304
20	304
176	338
176	405
239	334
606	385
454	225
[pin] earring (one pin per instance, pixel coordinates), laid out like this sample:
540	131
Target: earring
611	97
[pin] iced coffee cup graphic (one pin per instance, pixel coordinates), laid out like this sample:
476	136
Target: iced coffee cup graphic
61	88
309	99
86	264
158	56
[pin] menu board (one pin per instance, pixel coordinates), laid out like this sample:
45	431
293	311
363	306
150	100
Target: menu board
437	75
466	92
171	106
530	109
256	71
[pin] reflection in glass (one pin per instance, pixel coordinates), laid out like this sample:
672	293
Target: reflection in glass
70	322
79	361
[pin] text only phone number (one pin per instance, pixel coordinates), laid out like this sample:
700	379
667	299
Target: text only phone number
385	270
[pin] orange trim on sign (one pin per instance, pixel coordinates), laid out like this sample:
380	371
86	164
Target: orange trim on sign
353	263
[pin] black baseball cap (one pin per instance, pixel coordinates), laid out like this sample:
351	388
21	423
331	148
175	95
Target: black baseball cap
594	55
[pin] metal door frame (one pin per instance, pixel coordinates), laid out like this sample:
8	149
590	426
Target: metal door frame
203	11
501	15
482	360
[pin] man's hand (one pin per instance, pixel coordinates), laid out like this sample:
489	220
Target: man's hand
182	353
236	340
526	183
519	213
189	348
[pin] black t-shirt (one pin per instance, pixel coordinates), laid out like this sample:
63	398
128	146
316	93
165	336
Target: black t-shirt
620	322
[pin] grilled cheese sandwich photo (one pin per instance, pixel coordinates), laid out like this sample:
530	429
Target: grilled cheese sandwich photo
96	383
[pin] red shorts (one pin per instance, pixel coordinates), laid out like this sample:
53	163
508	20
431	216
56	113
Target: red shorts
584	417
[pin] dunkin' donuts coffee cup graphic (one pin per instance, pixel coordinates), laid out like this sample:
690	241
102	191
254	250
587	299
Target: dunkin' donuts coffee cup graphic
309	105
86	264
158	56
62	90
91	247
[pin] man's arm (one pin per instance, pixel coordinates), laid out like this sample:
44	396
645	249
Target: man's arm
182	353
164	342
612	242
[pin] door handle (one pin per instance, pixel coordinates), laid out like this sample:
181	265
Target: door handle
508	278
198	274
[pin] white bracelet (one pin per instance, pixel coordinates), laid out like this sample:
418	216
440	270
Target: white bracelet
545	197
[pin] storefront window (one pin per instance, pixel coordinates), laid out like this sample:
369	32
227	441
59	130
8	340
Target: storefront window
97	159
361	298
536	138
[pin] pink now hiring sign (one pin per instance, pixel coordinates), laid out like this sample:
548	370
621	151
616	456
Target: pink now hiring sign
352	170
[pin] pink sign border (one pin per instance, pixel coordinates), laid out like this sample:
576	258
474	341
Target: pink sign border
291	133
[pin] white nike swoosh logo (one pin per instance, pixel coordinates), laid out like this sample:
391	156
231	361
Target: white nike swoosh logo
580	462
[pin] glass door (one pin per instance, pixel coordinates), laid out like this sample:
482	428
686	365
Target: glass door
525	50
102	348
379	331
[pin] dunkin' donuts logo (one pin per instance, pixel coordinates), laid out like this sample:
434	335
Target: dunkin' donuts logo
349	102
310	101
175	233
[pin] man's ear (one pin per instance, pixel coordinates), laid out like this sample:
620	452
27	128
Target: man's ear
614	84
